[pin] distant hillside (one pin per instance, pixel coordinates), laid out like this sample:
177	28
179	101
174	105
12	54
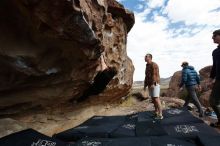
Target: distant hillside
163	82
138	82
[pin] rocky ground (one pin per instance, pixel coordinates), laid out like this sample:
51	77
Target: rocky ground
56	119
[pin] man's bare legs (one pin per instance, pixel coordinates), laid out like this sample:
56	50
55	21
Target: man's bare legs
157	105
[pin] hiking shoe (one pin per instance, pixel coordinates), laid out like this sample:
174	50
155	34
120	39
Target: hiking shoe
158	117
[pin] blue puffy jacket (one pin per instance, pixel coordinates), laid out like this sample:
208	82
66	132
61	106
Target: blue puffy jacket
189	76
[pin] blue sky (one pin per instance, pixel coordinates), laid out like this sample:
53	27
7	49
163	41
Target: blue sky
173	31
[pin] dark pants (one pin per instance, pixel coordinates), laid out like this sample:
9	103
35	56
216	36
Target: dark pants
192	95
215	98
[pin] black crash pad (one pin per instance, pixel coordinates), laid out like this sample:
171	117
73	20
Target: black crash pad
147	116
115	142
97	131
189	130
149	128
127	129
97	126
175	112
30	137
169	141
208	140
100	120
184	119
168	113
171	116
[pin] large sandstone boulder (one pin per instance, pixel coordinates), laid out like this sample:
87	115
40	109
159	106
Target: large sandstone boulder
205	80
50	50
204	98
205	84
173	90
9	126
205	72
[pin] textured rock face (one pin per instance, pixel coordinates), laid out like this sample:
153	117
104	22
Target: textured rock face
205	84
204	74
50	50
204	98
173	89
9	126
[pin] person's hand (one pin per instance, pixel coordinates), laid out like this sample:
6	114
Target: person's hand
152	86
144	88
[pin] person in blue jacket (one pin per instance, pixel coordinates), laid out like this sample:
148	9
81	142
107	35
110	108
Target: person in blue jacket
191	80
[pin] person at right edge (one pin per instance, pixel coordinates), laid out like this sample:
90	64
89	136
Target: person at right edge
190	79
214	99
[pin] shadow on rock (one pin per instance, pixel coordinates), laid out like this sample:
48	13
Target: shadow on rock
139	96
100	82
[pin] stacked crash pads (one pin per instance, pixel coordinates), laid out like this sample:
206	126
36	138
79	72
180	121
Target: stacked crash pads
178	128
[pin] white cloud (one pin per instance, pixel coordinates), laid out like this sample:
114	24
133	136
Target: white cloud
168	51
143	14
193	11
172	44
155	3
140	6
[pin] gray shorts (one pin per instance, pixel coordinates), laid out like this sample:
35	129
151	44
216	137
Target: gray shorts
155	91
